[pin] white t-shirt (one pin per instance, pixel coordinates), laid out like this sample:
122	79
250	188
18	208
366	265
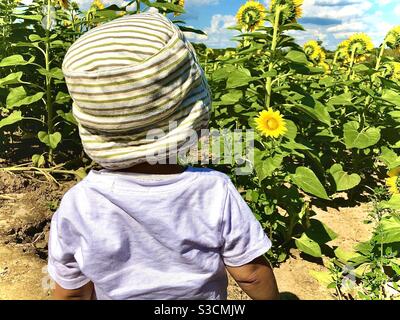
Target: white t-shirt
153	238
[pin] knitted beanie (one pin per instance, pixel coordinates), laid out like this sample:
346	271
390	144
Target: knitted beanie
131	75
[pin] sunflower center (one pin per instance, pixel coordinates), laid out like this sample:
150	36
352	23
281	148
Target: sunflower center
272	124
398	183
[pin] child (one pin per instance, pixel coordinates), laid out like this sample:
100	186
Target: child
136	230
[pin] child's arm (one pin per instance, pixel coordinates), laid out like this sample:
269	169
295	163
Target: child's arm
85	292
257	279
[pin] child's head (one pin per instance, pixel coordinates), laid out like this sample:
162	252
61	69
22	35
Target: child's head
132	75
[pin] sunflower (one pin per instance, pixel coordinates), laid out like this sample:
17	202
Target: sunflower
251	15
360	43
342	47
179	3
393	182
314	51
393	38
98	4
271	123
394	70
291	9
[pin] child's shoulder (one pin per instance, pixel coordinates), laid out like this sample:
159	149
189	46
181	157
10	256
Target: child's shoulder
210	173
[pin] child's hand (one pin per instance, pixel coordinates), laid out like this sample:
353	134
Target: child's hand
257	279
85	292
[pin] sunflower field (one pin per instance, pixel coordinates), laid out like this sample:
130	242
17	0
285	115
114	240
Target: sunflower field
326	123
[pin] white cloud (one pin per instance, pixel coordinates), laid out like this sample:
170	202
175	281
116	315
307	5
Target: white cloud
384	2
351	26
397	10
335	9
218	36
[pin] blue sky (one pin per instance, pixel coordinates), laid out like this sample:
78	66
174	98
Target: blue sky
328	20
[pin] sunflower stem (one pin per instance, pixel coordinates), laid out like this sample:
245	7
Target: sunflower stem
373	77
353	54
335	58
268	86
49	102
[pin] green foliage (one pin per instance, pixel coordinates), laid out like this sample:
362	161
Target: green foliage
372	270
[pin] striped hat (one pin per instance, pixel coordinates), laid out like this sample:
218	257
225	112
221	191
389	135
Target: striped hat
131	75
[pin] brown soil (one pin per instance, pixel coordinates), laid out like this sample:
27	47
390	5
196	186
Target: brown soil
26	206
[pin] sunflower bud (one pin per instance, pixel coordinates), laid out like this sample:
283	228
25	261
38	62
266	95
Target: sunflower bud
291	9
360	43
393	70
313	50
393	38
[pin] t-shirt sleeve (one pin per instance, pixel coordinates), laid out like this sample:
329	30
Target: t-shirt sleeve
63	267
243	237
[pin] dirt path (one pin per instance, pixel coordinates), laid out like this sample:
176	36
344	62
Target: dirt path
26	208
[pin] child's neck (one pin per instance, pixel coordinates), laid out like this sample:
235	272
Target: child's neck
155	169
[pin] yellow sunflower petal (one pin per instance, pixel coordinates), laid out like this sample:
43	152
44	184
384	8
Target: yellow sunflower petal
392	184
270	123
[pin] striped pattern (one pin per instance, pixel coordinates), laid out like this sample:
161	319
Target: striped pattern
128	77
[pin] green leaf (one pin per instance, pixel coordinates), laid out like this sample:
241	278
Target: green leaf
50	140
395	115
291	127
306	180
223	73
68	116
323	277
12	118
393	203
309	246
53	73
391	96
238	78
15	60
231	97
265	167
35	37
293	145
341	100
297	56
35	17
192	30
319	232
362	68
17	97
62	97
12	78
389	230
343	180
319	113
38	160
353	138
272	73
344	256
389	157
